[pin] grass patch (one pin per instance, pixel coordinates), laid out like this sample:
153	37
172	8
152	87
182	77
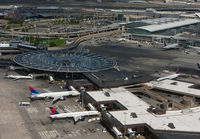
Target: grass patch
12	26
49	43
56	42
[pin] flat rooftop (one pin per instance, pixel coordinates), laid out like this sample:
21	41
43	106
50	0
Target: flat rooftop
179	87
166	23
181	118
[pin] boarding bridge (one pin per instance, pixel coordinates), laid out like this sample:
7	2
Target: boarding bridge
118	134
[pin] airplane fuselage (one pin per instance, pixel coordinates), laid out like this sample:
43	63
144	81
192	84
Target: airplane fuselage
18	77
171	46
168	77
56	94
73	114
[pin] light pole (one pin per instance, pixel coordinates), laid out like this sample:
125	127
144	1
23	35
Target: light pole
82	92
125	123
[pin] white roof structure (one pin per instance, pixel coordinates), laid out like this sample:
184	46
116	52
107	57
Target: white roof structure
197	14
168	24
159	20
183	120
175	86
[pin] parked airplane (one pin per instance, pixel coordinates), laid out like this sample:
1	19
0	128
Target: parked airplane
170	46
55	95
170	76
121	39
16	68
75	115
17	77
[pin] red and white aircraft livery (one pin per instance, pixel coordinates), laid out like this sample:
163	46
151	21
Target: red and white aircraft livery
172	76
75	115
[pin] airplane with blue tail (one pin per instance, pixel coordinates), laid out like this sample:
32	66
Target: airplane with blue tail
55	95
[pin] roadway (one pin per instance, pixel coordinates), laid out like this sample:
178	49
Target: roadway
57	34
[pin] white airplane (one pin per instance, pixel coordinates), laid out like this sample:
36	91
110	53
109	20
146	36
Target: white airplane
170	76
121	39
170	46
17	77
75	115
55	95
15	68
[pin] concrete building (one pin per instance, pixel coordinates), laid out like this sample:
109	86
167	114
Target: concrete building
125	111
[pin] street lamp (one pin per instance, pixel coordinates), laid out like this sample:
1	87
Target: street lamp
82	92
125	124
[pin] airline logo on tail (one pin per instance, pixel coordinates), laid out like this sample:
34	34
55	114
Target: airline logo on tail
198	65
165	44
177	71
53	111
33	91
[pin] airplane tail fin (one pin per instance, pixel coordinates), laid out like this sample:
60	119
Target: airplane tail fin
53	111
31	75
6	74
164	43
72	88
178	70
33	91
198	65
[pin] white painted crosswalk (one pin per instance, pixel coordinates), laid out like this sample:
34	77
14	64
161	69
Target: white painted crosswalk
78	133
49	134
52	134
31	110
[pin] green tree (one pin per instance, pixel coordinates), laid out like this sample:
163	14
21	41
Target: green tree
52	44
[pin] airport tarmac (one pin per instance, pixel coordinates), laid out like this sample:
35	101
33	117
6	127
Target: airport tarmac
32	121
131	58
139	64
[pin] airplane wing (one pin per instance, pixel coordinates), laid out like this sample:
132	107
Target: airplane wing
48	91
76	118
56	98
16	79
67	110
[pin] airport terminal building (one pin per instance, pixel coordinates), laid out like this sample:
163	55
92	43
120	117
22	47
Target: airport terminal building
125	113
